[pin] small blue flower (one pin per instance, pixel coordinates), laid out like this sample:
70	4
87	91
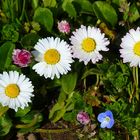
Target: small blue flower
106	119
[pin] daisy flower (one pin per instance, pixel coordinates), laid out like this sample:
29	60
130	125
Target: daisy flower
130	47
15	90
54	57
87	42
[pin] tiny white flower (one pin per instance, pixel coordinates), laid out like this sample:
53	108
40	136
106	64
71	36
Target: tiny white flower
15	90
130	47
87	42
54	57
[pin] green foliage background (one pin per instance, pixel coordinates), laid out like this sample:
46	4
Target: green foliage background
107	85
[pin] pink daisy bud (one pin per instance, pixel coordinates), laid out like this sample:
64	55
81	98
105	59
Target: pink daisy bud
83	118
21	57
64	26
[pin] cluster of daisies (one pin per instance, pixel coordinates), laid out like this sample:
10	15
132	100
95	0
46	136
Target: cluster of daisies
55	56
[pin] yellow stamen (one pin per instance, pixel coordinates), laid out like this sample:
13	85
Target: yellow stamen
137	48
52	56
88	44
12	90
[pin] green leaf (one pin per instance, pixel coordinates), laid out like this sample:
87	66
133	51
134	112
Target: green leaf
6	51
44	16
5	125
103	67
49	3
89	110
85	5
118	2
79	101
59	114
9	33
22	112
29	43
69	8
70	106
134	13
35	3
28	118
3	110
120	81
69	82
70	102
70	116
105	12
55	108
62	97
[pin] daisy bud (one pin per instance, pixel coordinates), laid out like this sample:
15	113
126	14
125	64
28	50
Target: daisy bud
64	27
21	57
83	118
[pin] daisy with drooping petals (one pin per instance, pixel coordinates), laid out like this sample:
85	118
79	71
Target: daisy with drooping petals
130	47
15	90
54	57
87	42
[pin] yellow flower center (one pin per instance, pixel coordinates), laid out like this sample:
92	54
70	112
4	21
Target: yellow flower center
52	56
88	44
107	119
137	48
12	90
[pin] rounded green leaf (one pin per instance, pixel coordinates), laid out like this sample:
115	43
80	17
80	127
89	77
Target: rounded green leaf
29	43
5	125
86	5
69	82
134	13
105	12
22	112
69	8
6	51
49	3
45	17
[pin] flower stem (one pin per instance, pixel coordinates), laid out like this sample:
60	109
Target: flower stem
136	82
52	130
97	80
110	135
57	130
34	121
23	10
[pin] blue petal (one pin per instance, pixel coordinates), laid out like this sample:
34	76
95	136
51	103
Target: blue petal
104	124
110	123
101	117
109	114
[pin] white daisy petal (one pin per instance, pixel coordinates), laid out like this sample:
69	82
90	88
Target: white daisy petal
86	41
15	91
130	48
51	52
38	56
